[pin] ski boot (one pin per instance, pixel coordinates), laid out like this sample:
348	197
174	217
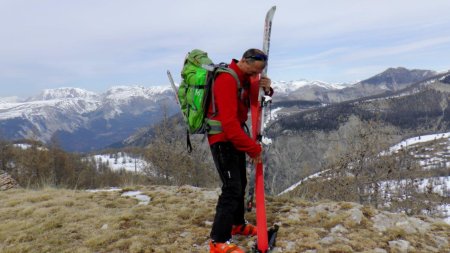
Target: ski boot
246	229
224	247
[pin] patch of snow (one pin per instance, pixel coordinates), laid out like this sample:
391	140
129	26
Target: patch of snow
25	146
22	146
291	188
111	189
143	199
418	139
266	141
121	161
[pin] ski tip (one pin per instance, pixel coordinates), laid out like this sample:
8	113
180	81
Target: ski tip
270	13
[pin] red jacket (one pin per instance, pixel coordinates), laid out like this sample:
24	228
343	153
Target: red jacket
232	112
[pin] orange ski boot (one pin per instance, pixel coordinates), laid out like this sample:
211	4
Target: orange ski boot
246	229
224	247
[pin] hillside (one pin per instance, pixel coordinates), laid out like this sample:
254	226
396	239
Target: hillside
178	219
308	140
308	136
426	109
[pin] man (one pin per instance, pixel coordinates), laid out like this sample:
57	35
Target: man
229	147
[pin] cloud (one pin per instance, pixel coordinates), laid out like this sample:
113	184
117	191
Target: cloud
408	47
82	42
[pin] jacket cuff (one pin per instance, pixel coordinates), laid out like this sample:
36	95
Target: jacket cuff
255	152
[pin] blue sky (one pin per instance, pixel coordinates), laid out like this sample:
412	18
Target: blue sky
97	44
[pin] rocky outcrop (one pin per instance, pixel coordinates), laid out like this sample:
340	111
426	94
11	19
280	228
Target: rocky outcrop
7	182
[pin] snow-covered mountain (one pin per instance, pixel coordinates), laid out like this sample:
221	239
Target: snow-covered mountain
64	93
288	86
84	120
303	89
390	80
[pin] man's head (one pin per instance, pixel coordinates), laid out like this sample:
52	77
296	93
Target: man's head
253	62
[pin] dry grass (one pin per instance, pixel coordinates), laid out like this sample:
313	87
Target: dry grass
178	219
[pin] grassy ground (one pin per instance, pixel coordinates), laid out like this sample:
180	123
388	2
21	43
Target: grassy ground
178	219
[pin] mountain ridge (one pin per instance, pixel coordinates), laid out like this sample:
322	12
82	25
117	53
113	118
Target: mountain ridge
68	111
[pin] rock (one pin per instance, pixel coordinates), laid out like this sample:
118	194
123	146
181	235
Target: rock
185	234
400	246
328	240
7	182
430	249
356	215
411	225
333	239
328	208
290	246
382	222
339	229
379	250
441	242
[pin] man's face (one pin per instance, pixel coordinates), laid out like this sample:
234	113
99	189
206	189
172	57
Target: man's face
253	68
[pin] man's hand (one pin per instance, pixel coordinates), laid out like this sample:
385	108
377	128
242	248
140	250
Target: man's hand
265	83
257	159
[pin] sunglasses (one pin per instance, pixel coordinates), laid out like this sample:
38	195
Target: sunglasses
257	57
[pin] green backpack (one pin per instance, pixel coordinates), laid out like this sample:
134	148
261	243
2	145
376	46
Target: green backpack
198	76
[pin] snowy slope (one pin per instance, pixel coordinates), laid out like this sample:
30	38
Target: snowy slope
74	100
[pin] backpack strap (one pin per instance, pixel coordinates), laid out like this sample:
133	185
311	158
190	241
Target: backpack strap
223	68
215	126
188	142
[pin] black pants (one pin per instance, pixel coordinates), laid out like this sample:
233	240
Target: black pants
230	164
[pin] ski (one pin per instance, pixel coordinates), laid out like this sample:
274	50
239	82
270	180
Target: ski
265	239
174	87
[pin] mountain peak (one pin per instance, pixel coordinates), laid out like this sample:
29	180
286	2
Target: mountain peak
124	92
63	93
397	69
395	78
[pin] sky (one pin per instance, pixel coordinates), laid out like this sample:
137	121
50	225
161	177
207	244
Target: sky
97	44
